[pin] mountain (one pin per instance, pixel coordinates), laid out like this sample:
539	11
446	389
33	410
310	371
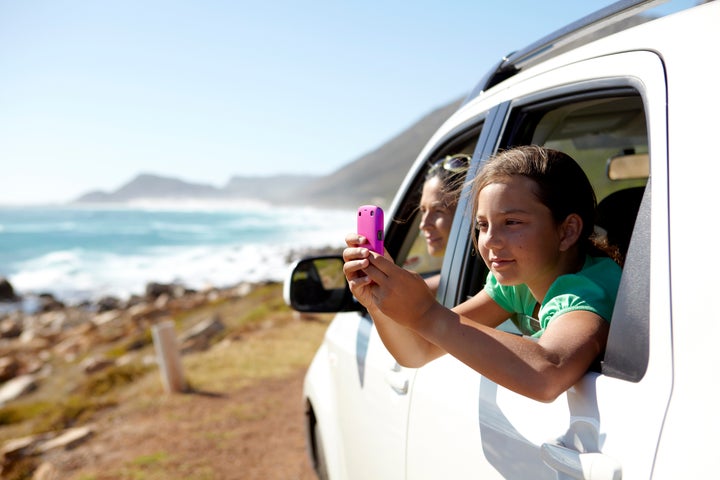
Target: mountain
376	176
274	189
153	186
373	177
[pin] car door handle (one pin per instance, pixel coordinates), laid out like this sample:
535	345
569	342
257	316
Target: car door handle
584	466
397	379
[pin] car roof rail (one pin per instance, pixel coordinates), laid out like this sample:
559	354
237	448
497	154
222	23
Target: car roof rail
551	45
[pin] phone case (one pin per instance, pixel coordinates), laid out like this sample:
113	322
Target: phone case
371	224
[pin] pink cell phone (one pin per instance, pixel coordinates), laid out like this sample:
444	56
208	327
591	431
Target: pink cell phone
371	224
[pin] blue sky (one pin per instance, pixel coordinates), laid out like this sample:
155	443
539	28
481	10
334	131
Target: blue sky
93	93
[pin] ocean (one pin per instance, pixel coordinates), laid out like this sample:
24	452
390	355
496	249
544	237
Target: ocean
85	253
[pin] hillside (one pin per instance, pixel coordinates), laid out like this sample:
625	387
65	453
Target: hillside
352	185
346	187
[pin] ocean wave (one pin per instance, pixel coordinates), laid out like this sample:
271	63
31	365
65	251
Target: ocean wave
115	256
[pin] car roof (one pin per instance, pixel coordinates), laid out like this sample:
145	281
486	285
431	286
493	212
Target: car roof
614	18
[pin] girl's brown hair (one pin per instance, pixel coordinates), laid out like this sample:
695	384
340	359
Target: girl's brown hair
562	186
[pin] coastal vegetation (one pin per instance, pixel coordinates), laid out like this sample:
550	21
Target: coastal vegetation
261	340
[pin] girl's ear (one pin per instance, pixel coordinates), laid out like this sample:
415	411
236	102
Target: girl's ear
570	231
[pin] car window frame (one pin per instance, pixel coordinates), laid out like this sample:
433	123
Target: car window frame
627	355
403	226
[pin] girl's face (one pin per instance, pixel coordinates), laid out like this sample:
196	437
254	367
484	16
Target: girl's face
437	216
517	235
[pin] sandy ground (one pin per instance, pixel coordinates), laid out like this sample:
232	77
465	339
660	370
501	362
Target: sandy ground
200	436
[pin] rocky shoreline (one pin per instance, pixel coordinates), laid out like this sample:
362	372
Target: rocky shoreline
29	340
32	344
40	334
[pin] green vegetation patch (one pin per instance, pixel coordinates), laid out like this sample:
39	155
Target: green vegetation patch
111	378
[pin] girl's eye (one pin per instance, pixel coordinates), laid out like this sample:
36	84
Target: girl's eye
480	226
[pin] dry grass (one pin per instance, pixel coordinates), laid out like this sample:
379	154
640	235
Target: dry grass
263	341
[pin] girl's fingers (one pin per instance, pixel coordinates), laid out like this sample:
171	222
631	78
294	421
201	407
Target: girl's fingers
383	264
375	274
359	282
353	253
353	266
354	240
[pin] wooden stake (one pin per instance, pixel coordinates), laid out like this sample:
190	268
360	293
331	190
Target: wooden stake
168	356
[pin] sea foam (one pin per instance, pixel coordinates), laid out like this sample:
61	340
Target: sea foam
118	251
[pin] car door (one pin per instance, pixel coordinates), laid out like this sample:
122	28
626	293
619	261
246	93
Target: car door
462	425
372	390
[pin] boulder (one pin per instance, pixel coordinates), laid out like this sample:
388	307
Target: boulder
198	337
153	290
68	439
9	367
46	471
17	387
7	292
95	364
11	326
48	303
108	303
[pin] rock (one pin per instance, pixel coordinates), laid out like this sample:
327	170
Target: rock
11	327
9	367
7	292
17	387
68	439
48	303
108	303
36	445
106	318
153	290
199	336
46	471
96	364
20	447
162	301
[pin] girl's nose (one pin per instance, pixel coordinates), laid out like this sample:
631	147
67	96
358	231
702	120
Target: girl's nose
491	237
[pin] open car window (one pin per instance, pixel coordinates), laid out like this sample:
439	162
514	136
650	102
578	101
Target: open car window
605	131
413	252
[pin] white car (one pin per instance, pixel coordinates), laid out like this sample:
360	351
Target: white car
638	109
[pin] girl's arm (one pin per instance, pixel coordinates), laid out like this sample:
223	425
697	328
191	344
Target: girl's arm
541	370
407	346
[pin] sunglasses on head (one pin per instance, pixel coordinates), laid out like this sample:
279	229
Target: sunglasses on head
452	163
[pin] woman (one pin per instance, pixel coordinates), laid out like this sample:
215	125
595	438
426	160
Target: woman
438	202
534	210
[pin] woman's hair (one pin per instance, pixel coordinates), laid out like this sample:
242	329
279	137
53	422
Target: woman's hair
451	172
562	186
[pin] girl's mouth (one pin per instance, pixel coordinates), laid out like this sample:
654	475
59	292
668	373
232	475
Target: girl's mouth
498	263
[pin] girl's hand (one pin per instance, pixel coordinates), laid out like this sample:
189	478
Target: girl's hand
356	260
398	293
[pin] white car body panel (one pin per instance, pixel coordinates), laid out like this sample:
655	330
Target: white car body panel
444	420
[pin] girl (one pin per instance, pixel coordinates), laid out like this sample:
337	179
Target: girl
534	210
438	202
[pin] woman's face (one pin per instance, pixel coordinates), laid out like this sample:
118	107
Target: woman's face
517	235
437	211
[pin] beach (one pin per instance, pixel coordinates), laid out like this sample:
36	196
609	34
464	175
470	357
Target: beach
84	253
90	285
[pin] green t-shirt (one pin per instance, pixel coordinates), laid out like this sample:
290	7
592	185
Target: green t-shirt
593	288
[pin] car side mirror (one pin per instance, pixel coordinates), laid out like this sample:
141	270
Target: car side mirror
318	285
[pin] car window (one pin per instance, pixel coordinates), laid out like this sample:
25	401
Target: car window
408	240
606	132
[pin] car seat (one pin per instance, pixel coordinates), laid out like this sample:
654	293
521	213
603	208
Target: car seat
616	215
